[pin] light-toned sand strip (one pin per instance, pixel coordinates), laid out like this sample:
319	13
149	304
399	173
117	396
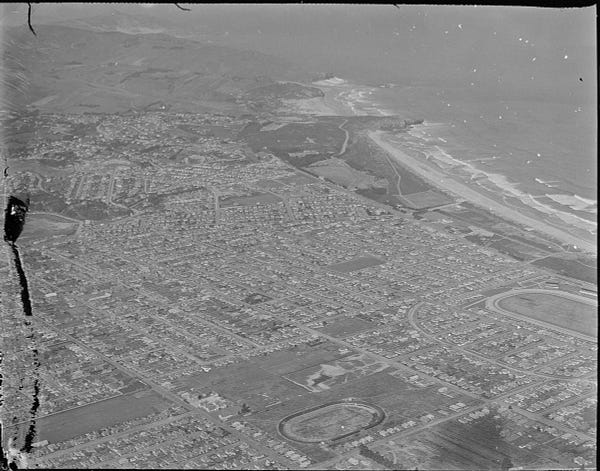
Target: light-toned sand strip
447	183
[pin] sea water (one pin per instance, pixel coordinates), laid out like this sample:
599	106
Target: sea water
509	90
543	149
541	152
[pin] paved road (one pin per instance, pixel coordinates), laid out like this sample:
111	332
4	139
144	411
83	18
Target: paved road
398	189
414	324
345	144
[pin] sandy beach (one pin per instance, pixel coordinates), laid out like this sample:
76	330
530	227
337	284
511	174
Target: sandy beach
337	102
462	190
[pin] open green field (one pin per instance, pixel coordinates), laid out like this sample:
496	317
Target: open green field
46	225
295	179
434	450
517	250
357	263
576	266
81	420
498	440
364	155
250	200
400	399
554	309
244	382
344	326
426	199
330	422
472	215
333	374
298	137
299	357
341	173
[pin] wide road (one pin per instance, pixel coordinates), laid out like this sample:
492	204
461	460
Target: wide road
447	183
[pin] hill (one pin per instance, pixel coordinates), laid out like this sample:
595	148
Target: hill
286	90
66	69
118	21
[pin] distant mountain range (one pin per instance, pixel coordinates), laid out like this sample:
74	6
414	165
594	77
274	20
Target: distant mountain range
505	53
116	63
123	23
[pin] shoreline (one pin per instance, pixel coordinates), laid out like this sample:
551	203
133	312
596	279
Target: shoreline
553	204
336	102
448	183
329	104
332	100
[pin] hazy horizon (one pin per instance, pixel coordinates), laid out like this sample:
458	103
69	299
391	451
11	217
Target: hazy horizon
499	49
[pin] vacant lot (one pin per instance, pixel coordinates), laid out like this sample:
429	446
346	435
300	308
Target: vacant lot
580	267
344	326
244	382
357	263
333	374
554	309
426	199
300	357
298	137
517	250
341	173
250	200
46	225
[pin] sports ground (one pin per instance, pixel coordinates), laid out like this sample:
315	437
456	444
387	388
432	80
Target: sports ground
558	308
330	421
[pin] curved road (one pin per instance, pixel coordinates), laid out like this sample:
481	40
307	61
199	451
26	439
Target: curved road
345	144
415	325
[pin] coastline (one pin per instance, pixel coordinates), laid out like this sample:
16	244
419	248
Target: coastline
447	183
342	98
331	104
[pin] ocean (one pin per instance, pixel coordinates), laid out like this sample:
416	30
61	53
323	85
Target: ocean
543	153
508	91
542	149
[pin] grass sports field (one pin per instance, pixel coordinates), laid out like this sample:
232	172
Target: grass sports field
81	420
357	263
554	309
330	422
